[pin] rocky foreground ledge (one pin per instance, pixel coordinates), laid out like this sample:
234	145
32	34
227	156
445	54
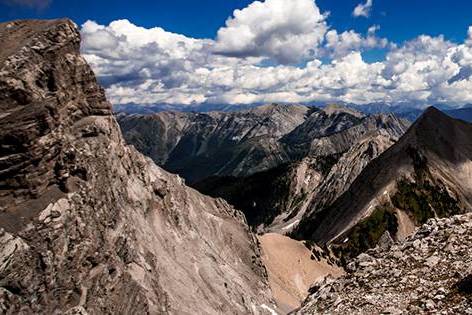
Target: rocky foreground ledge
430	273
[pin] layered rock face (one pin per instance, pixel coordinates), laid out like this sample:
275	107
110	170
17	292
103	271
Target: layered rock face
88	224
429	273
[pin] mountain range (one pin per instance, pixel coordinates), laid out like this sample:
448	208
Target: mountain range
266	161
428	175
410	111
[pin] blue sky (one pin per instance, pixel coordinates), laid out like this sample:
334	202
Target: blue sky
399	20
187	52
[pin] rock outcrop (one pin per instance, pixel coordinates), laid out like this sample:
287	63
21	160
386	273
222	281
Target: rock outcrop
429	273
87	224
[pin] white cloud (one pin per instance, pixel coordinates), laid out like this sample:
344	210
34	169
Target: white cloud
469	36
373	29
338	45
363	9
151	66
286	31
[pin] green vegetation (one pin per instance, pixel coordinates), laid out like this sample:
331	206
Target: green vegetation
367	233
422	200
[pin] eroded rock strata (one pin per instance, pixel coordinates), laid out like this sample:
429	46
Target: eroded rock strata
88	224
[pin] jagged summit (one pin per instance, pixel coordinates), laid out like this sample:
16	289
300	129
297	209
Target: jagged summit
87	224
16	34
436	132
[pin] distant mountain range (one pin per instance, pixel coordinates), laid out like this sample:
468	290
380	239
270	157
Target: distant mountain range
410	111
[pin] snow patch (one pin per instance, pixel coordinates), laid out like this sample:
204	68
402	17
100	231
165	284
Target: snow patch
290	225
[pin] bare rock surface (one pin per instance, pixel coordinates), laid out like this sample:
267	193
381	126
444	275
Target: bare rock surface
429	273
87	224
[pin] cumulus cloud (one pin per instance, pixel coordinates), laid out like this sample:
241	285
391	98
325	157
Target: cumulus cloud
338	45
39	4
363	9
153	66
286	31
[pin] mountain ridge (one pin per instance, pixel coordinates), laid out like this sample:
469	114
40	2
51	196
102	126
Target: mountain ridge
433	155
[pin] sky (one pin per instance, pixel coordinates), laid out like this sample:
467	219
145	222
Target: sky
189	52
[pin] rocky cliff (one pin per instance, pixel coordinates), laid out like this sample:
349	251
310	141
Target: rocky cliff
87	224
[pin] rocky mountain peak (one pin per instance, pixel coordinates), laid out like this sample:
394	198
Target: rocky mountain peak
425	174
87	224
45	87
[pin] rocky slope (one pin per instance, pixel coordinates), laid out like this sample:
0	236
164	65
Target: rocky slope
87	224
426	173
265	195
429	273
336	179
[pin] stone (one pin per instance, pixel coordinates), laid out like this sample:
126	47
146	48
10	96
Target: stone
408	279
